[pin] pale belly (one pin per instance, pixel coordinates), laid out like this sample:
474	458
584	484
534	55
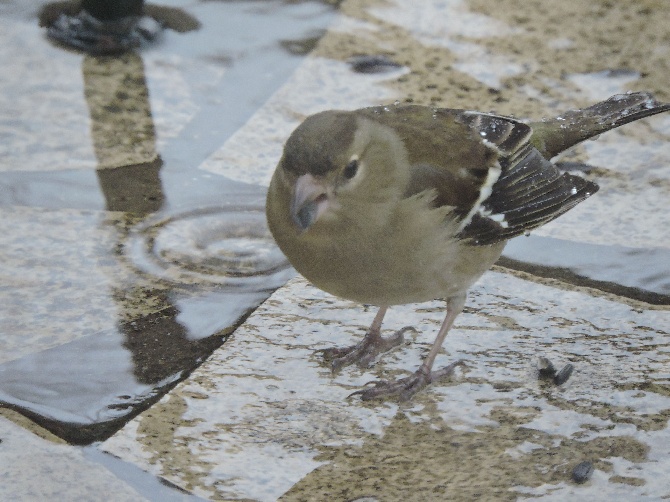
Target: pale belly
386	273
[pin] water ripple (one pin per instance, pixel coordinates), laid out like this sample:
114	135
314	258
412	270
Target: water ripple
229	246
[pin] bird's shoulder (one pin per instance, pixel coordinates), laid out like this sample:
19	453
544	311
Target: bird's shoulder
451	151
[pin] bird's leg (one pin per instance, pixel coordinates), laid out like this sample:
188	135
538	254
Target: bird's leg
405	388
373	344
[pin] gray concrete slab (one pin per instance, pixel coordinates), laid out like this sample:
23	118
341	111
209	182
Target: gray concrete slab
36	468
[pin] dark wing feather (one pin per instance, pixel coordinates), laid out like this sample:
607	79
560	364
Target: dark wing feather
529	190
528	194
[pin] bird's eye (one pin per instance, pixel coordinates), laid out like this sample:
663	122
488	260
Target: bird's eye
351	169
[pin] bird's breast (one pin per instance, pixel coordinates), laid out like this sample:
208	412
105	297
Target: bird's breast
411	256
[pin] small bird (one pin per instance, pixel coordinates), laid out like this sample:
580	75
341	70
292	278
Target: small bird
400	204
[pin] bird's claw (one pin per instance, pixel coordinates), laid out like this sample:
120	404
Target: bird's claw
406	387
365	352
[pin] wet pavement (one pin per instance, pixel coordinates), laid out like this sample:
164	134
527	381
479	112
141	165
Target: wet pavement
123	264
134	245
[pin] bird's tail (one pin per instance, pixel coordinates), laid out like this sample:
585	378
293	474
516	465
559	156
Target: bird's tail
552	136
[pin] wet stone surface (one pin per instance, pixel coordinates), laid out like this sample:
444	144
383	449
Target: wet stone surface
27	459
124	266
274	415
132	197
635	272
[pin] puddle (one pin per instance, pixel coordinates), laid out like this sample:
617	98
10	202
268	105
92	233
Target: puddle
638	273
86	389
124	263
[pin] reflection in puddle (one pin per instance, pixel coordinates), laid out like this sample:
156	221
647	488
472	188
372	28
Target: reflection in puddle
41	386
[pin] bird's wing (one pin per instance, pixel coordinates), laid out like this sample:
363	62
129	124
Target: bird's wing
526	192
485	167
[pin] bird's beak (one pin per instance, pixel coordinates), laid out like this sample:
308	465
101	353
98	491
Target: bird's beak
310	200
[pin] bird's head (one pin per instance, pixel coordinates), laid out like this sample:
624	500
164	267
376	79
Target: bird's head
340	167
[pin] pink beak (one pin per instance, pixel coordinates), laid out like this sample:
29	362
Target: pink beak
309	202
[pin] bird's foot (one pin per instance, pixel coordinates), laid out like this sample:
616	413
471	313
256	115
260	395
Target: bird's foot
405	388
365	352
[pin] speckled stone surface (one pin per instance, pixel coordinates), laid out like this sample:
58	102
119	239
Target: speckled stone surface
50	82
263	419
266	131
263	413
49	279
